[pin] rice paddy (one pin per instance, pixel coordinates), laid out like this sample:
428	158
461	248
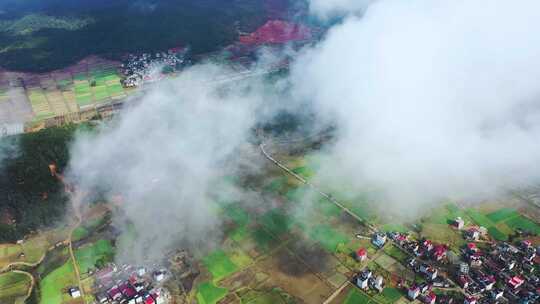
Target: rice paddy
208	293
219	265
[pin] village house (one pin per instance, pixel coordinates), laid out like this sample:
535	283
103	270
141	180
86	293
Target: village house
413	292
361	254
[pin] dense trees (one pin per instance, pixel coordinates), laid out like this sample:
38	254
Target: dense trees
28	192
123	26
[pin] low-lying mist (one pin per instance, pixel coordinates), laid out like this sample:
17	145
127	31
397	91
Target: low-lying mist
429	100
433	99
166	158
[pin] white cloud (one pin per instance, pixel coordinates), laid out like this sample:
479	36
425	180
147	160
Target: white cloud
432	98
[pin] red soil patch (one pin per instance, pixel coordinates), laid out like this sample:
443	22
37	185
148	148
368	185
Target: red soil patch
277	32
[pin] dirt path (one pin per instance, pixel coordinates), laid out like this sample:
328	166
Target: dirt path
76	208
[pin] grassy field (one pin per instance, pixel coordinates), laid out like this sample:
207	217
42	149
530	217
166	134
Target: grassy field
275	222
355	296
208	293
219	264
53	286
502	215
395	252
80	233
523	223
88	255
389	295
13	286
328	237
497	234
479	218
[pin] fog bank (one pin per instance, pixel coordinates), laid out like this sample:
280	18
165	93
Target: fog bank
432	99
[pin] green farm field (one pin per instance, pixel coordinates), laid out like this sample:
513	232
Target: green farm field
13	287
219	265
208	293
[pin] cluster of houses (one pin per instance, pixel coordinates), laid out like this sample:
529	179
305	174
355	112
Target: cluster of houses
366	280
424	248
146	67
502	271
130	285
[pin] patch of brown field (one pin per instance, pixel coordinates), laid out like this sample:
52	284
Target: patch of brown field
229	299
315	257
342	295
244	279
291	275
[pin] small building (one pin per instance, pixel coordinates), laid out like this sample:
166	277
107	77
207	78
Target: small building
472	234
464	281
427	245
379	239
429	271
430	298
413	292
74	292
470	300
378	284
159	276
361	255
463	268
363	278
496	294
141	271
515	282
459	223
439	252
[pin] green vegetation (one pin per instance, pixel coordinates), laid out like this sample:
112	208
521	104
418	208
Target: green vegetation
263	239
497	234
479	218
395	252
13	286
208	293
80	233
219	264
521	222
28	192
98	252
356	296
47	34
52	286
328	237
275	222
394	227
502	214
389	295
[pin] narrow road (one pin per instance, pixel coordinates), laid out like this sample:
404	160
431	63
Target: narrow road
32	283
315	188
76	208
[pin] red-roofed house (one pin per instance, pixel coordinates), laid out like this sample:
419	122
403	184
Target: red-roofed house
515	282
428	245
464	281
430	298
149	300
472	247
439	252
361	254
